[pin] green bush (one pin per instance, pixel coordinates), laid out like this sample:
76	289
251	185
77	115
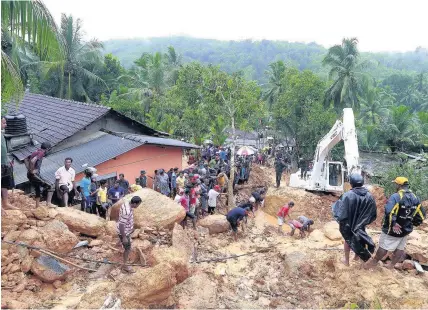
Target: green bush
417	175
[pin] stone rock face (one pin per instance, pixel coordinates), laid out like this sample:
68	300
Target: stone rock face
331	231
155	210
215	223
30	237
111	228
41	213
173	257
152	286
85	223
12	220
58	238
206	293
48	269
182	241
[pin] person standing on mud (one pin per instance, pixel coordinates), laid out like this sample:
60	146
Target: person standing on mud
354	211
282	213
125	227
279	168
402	211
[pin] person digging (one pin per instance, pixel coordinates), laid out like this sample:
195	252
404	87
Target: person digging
235	218
125	227
282	213
302	224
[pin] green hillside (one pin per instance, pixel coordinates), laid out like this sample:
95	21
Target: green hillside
253	57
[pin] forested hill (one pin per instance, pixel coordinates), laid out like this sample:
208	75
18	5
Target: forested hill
253	57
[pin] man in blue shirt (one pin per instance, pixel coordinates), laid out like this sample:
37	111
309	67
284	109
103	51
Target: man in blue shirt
223	154
85	187
235	217
115	193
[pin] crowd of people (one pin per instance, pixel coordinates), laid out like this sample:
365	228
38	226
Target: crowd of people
200	187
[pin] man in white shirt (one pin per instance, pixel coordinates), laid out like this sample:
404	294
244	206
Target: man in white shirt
212	198
65	180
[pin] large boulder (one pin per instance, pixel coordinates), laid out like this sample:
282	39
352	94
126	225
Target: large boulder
41	213
331	231
31	237
216	223
173	257
58	238
85	223
182	241
148	287
49	269
12	220
156	210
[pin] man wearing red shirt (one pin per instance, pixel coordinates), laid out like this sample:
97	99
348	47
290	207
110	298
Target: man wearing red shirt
185	201
282	213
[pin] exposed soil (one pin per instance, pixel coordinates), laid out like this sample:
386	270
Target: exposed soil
285	272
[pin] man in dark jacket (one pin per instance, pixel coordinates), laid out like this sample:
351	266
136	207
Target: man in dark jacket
354	211
402	211
279	168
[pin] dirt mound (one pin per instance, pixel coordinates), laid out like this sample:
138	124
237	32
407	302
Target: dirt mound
258	177
380	198
315	207
156	210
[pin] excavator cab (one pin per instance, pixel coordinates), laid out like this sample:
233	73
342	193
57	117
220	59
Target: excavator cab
334	176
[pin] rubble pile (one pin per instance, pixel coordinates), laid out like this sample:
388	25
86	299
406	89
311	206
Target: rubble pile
29	274
202	268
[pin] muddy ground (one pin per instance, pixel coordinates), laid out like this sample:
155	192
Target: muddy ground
285	271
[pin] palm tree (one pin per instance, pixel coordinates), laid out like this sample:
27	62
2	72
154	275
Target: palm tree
218	131
275	88
148	79
25	25
346	69
375	103
173	64
400	127
75	65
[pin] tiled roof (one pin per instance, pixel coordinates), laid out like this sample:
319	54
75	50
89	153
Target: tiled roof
155	140
52	119
92	153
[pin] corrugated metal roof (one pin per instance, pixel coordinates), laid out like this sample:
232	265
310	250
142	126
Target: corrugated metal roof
52	119
92	153
155	140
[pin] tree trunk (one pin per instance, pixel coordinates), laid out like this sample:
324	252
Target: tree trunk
230	199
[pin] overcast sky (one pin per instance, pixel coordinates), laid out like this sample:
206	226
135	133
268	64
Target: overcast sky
380	25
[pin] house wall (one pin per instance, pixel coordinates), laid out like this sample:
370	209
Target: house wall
145	157
110	121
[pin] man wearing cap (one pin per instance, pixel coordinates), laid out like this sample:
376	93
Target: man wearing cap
143	179
402	211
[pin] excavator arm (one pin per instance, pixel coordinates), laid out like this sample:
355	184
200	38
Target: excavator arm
345	131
